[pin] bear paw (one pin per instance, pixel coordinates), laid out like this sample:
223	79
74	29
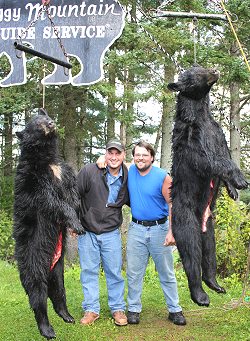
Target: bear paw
200	297
232	192
214	286
66	317
47	331
239	181
77	228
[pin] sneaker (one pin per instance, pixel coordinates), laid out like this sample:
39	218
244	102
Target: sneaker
133	318
120	318
89	318
177	318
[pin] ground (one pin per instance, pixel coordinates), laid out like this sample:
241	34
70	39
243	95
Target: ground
221	321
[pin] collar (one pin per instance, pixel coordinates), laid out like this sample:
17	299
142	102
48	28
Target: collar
119	173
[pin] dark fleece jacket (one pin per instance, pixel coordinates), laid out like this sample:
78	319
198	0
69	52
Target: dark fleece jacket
95	214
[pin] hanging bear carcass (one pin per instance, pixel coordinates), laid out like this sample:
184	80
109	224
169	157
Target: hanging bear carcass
201	162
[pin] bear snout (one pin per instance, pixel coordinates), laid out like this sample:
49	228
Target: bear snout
48	127
215	72
213	76
51	125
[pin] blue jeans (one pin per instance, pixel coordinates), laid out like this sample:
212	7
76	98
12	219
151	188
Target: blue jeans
94	249
143	242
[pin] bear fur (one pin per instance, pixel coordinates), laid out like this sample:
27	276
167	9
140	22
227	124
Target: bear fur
201	162
45	204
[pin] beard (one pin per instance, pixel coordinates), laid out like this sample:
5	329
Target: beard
143	169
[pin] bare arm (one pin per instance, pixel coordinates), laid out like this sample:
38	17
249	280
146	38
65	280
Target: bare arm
169	240
101	162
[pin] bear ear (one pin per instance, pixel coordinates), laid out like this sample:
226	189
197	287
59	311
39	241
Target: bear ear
174	86
196	65
42	111
19	134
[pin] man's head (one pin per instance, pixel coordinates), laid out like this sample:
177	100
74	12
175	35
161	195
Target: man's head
144	155
115	153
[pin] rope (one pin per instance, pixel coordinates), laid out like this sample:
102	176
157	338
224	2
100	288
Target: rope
235	34
166	3
44	87
178	67
195	21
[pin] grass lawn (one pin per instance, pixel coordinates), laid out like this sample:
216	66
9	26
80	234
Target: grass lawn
223	320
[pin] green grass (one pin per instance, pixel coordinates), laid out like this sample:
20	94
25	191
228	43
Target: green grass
223	320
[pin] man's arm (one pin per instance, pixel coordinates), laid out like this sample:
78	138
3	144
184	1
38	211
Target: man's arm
166	192
101	162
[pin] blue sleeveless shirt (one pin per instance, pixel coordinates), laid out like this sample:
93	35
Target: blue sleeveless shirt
145	192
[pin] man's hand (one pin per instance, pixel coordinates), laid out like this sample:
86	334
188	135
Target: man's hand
169	240
72	233
101	162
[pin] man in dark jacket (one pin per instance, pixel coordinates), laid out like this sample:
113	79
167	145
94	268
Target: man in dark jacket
103	193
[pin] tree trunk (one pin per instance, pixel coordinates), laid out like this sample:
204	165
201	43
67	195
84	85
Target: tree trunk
167	124
111	105
235	114
235	122
69	120
82	113
158	137
70	143
7	133
130	112
129	89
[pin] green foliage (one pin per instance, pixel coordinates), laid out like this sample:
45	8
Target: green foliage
6	240
232	236
6	194
245	196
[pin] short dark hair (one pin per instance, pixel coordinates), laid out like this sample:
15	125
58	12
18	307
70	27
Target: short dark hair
145	145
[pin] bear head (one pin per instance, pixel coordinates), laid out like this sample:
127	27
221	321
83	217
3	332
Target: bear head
39	129
196	82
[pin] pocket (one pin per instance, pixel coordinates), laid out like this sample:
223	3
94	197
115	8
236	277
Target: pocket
131	225
93	219
164	226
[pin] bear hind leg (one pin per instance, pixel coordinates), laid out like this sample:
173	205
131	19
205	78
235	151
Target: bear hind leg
57	294
197	293
188	242
209	259
38	302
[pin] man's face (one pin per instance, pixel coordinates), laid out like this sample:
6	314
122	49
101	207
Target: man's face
142	158
114	158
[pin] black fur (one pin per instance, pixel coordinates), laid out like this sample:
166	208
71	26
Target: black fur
45	201
200	154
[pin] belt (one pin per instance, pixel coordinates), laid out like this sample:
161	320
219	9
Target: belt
150	222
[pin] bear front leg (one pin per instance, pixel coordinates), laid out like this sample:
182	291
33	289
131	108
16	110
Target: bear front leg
60	211
56	292
70	219
221	167
187	234
227	170
209	258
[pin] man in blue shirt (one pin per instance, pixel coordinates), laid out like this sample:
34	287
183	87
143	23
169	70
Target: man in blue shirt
103	193
150	233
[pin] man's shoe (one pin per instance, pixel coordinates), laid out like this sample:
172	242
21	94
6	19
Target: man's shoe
120	318
133	318
89	318
177	318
